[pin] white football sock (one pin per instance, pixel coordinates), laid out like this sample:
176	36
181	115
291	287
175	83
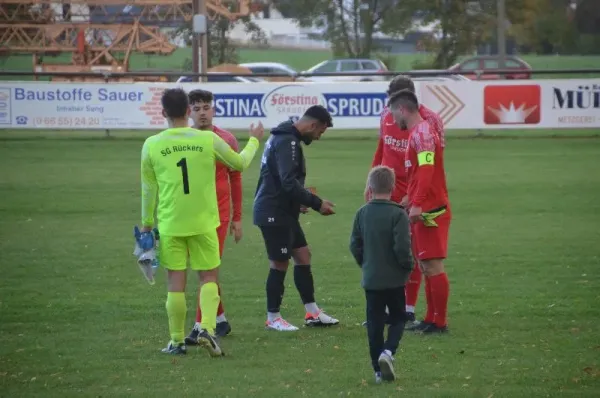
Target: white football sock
410	308
271	316
221	318
311	308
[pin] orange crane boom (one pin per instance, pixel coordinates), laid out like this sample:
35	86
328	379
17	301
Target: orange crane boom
100	33
150	10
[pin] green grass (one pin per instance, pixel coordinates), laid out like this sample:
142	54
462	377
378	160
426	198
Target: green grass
77	319
301	60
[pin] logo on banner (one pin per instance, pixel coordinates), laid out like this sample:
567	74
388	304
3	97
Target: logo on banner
5	106
508	104
451	104
291	101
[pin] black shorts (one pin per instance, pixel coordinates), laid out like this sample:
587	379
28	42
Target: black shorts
280	240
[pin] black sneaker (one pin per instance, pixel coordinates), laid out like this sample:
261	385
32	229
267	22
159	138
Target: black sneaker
434	329
222	329
192	338
410	318
173	349
417	326
211	343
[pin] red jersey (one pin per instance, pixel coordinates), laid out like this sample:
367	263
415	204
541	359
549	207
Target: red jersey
228	183
425	169
392	145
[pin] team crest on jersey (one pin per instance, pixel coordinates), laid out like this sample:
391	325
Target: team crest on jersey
407	163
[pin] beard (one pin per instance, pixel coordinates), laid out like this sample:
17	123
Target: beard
403	125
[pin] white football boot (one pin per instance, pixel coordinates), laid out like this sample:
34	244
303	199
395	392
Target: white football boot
280	325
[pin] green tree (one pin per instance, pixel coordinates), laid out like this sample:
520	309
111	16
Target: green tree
546	28
459	26
221	49
349	24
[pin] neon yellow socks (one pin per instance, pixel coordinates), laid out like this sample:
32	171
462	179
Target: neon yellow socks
176	311
209	302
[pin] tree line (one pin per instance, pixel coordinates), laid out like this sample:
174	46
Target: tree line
461	26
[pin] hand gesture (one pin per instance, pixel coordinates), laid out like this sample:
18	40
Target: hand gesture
235	229
327	208
404	201
415	214
257	132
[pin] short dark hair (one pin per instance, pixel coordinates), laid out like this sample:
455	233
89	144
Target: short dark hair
175	103
196	96
400	82
405	98
319	113
381	180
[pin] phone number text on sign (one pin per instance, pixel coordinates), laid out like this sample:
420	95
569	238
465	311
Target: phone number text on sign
66	121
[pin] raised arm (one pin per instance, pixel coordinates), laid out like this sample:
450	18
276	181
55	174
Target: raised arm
149	187
235	180
232	159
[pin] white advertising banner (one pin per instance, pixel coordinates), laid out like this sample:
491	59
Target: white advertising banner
568	103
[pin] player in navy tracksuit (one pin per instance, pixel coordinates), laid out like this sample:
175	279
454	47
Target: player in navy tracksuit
280	198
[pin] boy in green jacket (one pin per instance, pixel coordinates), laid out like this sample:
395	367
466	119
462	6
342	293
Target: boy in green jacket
380	244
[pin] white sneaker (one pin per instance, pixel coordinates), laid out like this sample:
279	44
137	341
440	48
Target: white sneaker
377	377
320	319
280	325
386	363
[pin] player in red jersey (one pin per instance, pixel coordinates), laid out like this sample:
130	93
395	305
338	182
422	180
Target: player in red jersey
229	190
429	206
391	149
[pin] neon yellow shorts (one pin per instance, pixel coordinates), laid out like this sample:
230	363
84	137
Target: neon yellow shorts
203	252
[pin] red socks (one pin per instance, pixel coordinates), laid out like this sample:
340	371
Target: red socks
220	310
430	315
439	292
413	286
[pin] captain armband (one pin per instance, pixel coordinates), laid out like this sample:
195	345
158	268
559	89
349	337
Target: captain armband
425	158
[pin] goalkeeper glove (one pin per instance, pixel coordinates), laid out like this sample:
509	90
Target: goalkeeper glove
145	240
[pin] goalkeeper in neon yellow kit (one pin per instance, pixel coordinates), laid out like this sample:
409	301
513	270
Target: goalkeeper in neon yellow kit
178	165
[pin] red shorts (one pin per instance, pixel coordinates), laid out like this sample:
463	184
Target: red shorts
222	231
431	242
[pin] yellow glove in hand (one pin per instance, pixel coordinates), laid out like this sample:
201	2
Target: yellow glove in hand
429	217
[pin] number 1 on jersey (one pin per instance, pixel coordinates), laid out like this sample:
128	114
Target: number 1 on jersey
184	175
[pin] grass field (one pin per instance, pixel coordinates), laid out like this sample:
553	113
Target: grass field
304	59
77	319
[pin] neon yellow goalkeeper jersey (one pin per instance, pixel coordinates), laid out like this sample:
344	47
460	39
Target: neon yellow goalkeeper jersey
178	165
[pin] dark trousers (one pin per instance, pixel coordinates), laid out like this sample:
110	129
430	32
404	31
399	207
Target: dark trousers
377	301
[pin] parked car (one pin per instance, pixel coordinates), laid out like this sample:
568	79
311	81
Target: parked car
440	78
221	77
469	66
270	68
371	68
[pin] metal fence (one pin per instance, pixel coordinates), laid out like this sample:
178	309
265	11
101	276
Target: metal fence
480	74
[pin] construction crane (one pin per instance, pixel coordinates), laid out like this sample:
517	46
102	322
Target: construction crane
101	35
